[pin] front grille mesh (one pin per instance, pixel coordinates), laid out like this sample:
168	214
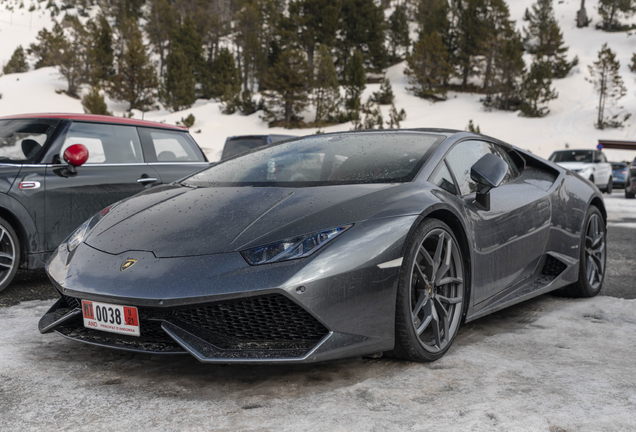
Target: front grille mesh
269	322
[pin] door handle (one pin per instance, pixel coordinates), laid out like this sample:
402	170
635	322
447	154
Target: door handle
145	180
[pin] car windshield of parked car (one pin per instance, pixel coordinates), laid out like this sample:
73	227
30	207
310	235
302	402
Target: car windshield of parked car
238	145
22	140
573	156
325	160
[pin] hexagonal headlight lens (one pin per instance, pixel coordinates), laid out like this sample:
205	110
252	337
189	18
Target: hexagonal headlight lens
293	248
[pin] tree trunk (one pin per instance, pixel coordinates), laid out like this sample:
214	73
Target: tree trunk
288	111
581	16
310	57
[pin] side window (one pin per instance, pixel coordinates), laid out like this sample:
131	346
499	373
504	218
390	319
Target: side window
106	144
172	146
443	179
464	155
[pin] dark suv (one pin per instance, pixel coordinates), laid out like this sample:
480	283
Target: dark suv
630	180
57	170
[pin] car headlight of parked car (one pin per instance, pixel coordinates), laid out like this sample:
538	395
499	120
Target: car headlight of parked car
78	236
293	248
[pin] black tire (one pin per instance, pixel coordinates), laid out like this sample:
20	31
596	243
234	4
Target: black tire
592	259
610	186
628	186
431	294
9	254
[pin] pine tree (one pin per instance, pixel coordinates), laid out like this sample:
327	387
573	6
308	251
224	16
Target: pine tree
385	96
288	87
190	42
161	22
356	82
632	65
432	17
47	50
508	66
395	117
326	87
536	90
136	79
315	22
373	116
609	85
469	32
472	127
17	63
399	33
94	103
429	67
178	90
72	59
363	28
610	10
100	51
223	77
544	38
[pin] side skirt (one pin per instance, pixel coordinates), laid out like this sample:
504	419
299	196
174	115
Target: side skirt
534	286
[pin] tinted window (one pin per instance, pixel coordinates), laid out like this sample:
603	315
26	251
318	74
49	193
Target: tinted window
443	179
107	144
573	156
323	160
173	146
22	140
240	145
463	156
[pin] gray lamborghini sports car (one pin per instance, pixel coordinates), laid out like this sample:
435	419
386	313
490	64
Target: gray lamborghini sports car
330	246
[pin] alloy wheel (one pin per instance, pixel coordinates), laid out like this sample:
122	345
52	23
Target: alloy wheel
595	251
436	290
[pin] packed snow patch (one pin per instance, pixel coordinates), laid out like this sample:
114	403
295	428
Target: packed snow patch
549	364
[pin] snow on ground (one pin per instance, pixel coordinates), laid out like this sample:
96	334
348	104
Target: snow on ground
570	121
549	364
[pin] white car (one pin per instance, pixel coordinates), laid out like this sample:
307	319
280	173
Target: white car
589	164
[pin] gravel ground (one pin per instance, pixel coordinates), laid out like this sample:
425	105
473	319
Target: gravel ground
549	364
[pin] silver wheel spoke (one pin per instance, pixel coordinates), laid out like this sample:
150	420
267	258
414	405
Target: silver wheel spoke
420	303
6	255
421	274
448	280
427	257
437	258
446	265
453	300
424	324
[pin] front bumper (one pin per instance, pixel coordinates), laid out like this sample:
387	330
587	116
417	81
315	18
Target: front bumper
221	310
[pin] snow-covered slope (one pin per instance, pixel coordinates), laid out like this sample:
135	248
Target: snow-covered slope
570	121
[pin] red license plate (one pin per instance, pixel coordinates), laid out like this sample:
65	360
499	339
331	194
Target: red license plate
111	318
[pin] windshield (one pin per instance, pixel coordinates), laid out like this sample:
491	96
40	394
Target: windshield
241	145
573	156
22	140
321	160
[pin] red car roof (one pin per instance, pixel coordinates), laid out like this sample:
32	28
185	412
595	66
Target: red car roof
98	119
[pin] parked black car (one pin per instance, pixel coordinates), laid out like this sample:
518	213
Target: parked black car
619	174
630	180
330	246
240	144
46	189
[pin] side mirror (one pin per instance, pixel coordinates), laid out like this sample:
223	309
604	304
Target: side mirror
488	172
75	155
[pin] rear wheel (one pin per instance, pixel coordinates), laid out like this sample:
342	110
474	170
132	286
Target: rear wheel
610	186
9	254
430	296
628	188
592	258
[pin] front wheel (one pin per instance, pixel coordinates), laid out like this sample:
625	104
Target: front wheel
9	254
593	255
430	297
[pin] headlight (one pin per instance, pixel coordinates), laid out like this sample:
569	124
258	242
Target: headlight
84	229
297	247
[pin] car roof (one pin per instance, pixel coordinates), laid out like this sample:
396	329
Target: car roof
94	118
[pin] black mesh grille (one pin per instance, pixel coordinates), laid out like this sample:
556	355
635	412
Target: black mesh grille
271	322
553	267
269	319
72	302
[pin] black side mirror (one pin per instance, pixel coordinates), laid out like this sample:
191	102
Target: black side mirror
488	172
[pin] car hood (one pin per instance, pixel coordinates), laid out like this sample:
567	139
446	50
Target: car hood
575	165
174	221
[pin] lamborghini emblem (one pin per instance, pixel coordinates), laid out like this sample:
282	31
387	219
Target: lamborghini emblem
128	264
